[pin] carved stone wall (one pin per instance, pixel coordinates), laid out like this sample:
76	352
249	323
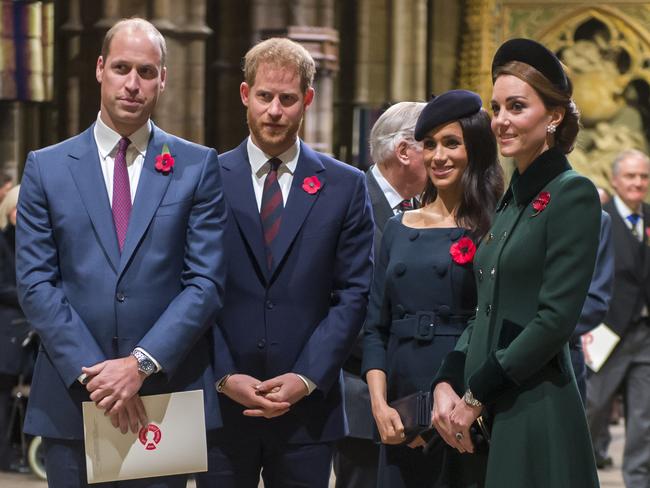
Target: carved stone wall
606	47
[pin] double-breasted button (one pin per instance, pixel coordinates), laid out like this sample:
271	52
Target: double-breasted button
477	309
270	304
493	272
480	274
490	237
120	296
504	235
488	309
261	343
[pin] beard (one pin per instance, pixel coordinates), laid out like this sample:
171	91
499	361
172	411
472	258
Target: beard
273	141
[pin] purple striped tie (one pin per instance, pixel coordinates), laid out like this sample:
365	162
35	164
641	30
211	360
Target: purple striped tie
271	209
121	192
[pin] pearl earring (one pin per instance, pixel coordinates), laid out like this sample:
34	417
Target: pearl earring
550	128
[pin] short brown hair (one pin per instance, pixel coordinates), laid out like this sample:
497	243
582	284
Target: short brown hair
135	23
552	97
280	51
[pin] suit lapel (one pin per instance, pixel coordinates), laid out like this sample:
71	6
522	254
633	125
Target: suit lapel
380	206
299	202
151	189
238	186
87	175
630	243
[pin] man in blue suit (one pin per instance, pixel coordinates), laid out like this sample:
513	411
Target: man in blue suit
299	246
120	263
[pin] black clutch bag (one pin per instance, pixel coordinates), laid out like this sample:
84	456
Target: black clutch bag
415	412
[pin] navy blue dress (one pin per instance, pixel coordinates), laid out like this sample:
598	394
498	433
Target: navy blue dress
419	305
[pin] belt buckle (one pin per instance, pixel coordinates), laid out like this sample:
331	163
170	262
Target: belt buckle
424	326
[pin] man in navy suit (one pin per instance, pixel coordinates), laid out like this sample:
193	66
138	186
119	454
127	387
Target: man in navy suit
299	246
120	262
628	366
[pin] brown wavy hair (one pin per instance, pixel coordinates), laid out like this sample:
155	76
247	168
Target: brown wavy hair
552	97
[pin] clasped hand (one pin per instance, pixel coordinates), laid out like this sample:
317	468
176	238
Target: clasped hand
452	417
113	386
270	398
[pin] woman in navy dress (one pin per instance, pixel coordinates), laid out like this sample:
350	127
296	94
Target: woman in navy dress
423	290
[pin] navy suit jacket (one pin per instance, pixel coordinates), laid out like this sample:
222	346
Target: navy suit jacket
303	315
631	274
602	283
89	302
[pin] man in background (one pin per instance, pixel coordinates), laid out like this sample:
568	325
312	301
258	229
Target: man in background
394	183
628	366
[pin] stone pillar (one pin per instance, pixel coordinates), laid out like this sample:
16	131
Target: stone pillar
408	50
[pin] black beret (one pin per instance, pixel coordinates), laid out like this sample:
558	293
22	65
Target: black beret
534	54
450	106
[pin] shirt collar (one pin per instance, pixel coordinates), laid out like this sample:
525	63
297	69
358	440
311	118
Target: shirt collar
107	138
624	210
258	158
524	187
391	194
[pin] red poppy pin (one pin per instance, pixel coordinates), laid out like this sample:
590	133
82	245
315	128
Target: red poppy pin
540	202
462	251
311	185
164	161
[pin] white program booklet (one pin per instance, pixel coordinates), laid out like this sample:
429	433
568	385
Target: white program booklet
597	345
174	442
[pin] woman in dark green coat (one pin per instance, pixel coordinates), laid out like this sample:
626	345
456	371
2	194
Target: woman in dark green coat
532	272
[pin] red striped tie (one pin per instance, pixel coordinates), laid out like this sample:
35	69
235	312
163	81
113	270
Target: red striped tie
271	210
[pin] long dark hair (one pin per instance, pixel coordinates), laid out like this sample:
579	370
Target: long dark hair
482	180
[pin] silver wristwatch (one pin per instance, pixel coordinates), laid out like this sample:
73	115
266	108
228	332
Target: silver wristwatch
468	398
145	364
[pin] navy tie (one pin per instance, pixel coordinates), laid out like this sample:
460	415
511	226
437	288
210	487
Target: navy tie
634	219
271	209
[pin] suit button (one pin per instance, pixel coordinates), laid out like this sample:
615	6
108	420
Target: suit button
269	304
261	343
120	296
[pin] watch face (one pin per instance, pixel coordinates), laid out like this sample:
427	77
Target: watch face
147	366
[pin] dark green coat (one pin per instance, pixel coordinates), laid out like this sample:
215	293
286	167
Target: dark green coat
532	272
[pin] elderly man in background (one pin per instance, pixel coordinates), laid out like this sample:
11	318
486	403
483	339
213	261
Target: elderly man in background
629	364
394	183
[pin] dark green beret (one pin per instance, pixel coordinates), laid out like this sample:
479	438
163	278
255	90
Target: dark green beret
448	107
534	54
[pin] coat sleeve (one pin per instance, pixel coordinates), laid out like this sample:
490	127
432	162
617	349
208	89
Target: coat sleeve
602	283
66	338
571	245
331	341
191	313
376	330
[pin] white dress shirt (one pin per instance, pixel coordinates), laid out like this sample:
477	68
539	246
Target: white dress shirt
624	211
107	139
392	196
259	169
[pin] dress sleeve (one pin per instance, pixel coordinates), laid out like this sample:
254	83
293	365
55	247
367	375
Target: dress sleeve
376	329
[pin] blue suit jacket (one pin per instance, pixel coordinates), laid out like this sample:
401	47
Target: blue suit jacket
602	283
304	315
89	303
